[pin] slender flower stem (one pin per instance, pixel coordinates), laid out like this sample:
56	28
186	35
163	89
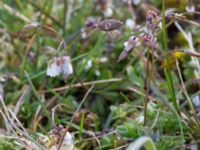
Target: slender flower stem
167	72
146	86
38	46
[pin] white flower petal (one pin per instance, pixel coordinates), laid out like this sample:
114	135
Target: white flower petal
66	68
128	46
136	2
108	12
68	139
130	23
60	65
97	73
53	69
190	8
196	101
89	65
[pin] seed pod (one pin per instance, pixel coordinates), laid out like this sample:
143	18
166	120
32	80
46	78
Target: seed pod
109	25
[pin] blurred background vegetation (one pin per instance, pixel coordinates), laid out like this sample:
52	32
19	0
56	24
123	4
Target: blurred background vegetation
114	109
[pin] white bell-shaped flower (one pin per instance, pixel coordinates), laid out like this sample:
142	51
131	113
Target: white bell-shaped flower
60	65
66	68
54	68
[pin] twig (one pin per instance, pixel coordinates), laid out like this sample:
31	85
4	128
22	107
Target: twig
77	85
184	89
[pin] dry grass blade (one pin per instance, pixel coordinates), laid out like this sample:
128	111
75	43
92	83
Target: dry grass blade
142	94
21	101
84	84
184	88
16	13
15	125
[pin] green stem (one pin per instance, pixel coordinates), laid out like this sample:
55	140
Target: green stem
168	75
38	46
146	86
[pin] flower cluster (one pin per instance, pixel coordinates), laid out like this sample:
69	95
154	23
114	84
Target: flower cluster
153	22
60	65
147	36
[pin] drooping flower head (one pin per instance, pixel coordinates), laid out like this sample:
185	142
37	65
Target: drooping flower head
60	65
66	68
54	67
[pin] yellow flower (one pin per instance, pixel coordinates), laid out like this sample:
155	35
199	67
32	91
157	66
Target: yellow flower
173	56
178	54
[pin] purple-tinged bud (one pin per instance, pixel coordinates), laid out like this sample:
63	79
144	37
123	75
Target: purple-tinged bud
109	25
128	46
148	38
123	56
90	22
151	15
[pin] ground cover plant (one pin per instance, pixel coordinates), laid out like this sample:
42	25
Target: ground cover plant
99	74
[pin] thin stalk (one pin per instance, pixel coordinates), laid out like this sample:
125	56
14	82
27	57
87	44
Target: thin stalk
77	85
24	62
37	46
81	127
167	72
64	13
184	89
146	86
